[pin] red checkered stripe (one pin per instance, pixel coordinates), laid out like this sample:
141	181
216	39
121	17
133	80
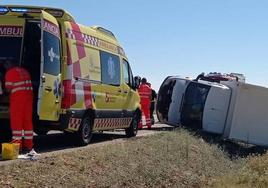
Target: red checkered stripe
80	91
90	40
111	123
70	34
94	41
74	123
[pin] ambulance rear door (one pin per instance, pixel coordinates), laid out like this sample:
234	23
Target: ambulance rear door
50	82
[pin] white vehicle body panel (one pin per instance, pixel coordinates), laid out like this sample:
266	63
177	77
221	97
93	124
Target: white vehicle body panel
216	109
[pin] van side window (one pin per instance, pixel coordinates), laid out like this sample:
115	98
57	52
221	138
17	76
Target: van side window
194	103
127	73
110	68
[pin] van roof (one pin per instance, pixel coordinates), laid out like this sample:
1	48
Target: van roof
18	9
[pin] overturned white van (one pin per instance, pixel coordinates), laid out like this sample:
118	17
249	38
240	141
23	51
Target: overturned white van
233	109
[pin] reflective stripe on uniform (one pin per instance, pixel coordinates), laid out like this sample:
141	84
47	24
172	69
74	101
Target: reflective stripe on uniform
16	132
21	89
28	132
22	82
28	137
8	83
16	137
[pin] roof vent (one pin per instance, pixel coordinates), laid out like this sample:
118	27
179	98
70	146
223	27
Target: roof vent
103	30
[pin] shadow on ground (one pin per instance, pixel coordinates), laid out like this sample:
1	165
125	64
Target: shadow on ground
60	141
233	148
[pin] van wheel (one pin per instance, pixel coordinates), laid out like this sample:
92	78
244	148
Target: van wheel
84	133
133	129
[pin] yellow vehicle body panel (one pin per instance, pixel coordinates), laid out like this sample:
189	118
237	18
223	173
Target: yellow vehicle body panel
84	45
49	95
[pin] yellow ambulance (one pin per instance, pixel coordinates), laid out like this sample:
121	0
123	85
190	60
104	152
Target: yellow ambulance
81	77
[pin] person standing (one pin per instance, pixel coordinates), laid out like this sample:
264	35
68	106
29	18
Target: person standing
152	106
145	93
19	86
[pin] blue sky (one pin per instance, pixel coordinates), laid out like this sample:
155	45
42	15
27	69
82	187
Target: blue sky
185	38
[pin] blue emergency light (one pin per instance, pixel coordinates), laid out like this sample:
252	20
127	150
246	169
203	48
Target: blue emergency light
3	10
19	10
25	10
54	12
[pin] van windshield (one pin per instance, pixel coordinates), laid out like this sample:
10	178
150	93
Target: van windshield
10	47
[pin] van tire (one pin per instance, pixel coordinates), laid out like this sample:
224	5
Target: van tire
133	129
84	133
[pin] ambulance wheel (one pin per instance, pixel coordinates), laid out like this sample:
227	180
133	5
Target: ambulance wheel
85	132
40	132
133	129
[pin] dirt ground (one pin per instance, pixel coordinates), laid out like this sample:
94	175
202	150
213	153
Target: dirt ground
161	157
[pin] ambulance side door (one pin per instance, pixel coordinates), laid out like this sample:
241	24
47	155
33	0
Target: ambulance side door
128	91
49	91
109	93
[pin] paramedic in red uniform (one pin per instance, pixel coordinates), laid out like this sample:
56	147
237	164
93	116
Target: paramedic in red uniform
18	84
145	93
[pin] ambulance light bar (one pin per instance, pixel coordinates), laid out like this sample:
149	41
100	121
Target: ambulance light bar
24	10
3	10
54	12
18	10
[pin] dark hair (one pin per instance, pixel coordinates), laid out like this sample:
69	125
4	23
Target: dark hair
144	80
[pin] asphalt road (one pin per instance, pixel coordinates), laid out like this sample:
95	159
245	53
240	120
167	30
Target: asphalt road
57	142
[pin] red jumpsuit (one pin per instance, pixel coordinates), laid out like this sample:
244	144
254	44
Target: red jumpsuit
145	93
18	82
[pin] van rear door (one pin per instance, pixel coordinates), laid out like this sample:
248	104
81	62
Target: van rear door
11	39
50	83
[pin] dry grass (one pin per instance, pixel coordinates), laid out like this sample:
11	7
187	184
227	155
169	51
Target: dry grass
253	174
171	159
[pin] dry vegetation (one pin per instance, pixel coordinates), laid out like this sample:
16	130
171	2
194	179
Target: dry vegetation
171	159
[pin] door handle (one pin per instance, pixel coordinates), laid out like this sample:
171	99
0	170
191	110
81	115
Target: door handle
125	92
43	78
48	88
119	90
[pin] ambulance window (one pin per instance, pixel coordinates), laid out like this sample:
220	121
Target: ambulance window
127	73
131	79
51	54
110	68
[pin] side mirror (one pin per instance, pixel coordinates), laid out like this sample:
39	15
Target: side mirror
137	81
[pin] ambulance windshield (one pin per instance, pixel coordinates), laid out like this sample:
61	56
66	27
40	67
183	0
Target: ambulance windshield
10	47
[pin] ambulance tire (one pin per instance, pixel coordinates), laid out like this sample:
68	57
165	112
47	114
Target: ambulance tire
133	129
40	132
84	133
